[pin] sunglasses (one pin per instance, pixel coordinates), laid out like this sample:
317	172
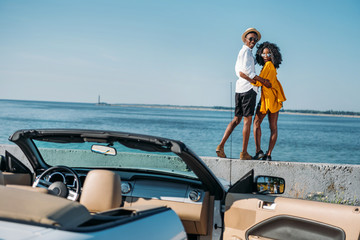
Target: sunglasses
252	39
266	54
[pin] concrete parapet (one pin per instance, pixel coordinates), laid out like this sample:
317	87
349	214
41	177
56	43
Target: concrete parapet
326	182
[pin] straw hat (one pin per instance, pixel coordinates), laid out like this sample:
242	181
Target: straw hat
250	30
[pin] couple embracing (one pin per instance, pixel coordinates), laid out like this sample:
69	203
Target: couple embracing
272	95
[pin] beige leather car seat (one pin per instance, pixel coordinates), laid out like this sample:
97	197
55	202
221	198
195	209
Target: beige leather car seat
101	191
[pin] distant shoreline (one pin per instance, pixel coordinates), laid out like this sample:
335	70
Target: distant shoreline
321	114
329	113
227	109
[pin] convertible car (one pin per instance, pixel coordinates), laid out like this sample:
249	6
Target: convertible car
83	184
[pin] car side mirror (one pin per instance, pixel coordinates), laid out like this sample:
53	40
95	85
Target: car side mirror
270	185
105	150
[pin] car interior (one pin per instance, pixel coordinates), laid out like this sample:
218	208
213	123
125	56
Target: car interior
96	208
106	195
269	216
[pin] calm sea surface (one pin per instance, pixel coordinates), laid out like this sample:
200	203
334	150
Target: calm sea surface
300	138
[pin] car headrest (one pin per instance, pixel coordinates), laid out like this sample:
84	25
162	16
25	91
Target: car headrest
101	191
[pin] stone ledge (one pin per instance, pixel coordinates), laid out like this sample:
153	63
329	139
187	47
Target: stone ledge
338	182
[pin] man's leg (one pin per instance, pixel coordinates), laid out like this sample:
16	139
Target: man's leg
229	129
231	126
248	105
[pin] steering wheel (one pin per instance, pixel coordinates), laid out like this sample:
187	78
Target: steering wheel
59	188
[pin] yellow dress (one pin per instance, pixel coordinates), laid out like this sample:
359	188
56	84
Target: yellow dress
271	98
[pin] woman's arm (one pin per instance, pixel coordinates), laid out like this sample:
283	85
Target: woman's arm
264	82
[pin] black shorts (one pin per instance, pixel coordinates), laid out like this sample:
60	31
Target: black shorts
245	103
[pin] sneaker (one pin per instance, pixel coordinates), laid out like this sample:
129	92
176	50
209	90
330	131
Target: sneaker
220	152
260	154
245	156
267	157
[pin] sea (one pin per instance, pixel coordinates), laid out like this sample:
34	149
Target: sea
301	138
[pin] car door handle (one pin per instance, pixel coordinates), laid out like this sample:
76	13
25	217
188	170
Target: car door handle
267	205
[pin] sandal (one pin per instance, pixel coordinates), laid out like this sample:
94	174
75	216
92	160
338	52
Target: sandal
245	156
220	152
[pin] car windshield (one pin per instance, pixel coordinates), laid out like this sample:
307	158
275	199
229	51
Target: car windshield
116	156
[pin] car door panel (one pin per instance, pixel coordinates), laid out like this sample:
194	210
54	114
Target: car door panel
254	216
15	172
17	178
193	216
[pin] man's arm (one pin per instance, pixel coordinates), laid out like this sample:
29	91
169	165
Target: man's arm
264	82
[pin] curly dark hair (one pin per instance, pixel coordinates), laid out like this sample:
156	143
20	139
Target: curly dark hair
276	58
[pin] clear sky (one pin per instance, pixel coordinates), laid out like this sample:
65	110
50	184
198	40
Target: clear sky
178	52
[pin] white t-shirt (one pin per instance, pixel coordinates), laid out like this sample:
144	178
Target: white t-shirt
245	63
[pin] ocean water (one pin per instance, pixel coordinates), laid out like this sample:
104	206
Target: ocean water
318	139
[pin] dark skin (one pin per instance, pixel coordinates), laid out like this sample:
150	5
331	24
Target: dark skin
250	42
259	117
264	82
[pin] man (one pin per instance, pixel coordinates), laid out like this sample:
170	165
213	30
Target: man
245	96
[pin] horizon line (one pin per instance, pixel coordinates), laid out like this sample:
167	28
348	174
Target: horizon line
199	107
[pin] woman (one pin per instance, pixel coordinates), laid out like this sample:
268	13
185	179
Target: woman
268	55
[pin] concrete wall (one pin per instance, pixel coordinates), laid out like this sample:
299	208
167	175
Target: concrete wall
326	182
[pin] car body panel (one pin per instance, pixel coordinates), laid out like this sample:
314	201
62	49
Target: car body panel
141	229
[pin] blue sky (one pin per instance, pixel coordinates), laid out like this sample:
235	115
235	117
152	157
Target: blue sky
175	52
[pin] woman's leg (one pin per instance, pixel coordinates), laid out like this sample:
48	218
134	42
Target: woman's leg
273	119
259	117
246	133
